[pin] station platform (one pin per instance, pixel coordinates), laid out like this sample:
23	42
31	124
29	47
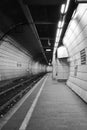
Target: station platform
50	105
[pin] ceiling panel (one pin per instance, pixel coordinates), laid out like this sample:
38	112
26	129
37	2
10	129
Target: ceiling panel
44	2
45	15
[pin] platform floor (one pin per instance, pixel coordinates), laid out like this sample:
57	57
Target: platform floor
51	106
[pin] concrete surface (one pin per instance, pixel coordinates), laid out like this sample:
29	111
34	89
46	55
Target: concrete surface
58	108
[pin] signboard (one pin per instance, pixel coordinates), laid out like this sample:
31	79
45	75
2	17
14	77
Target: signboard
83	57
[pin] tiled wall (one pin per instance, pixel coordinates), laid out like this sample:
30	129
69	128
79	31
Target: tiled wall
16	62
13	62
76	41
62	69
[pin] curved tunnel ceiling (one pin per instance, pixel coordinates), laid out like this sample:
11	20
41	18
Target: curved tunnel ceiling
33	24
45	14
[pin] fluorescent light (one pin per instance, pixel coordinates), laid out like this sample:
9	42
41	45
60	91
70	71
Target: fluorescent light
67	5
56	44
62	8
57	39
49	42
48	49
57	32
53	59
59	24
49	63
54	51
62	23
60	31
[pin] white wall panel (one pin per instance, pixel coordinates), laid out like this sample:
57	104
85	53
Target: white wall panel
15	63
62	69
82	76
81	92
75	43
82	68
79	82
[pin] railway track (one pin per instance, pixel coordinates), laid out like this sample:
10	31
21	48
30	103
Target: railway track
11	94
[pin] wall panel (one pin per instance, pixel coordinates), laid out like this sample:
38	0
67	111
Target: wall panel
76	41
62	69
15	62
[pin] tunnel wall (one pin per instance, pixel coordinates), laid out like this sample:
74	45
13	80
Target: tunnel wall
62	64
76	42
62	69
14	62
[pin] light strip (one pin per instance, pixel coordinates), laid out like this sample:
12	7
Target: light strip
62	8
57	39
62	23
48	49
54	51
60	31
67	5
59	24
56	44
57	34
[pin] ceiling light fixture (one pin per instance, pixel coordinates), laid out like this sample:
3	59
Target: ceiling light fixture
62	23
54	51
56	44
49	42
48	49
57	39
57	34
59	24
67	5
49	63
62	8
60	31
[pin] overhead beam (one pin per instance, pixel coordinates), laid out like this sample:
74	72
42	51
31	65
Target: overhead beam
81	1
30	20
45	23
44	2
47	47
46	38
42	23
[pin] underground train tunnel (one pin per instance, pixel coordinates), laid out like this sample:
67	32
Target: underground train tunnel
43	67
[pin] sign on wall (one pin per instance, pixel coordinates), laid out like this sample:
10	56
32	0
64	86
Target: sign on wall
83	57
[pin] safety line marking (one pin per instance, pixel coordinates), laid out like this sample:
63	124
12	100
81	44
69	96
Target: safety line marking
18	105
30	112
